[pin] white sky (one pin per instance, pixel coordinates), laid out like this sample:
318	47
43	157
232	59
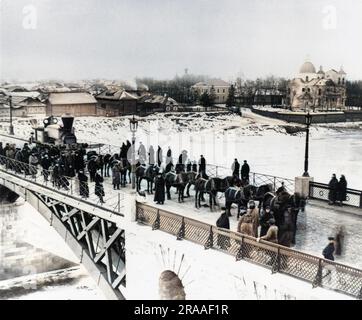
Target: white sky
122	39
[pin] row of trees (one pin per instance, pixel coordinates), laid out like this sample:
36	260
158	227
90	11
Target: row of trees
179	88
354	93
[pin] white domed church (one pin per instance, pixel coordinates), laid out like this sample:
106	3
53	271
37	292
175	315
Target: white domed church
317	90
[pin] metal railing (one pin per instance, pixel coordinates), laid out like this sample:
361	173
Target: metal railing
256	179
212	170
69	186
317	271
320	191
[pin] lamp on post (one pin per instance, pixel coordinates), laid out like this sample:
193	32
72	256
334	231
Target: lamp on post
308	121
133	127
11	128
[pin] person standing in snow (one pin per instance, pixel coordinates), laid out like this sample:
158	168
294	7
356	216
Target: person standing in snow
342	190
235	167
245	171
159	156
329	249
333	185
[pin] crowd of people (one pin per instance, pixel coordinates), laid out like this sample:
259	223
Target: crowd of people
59	165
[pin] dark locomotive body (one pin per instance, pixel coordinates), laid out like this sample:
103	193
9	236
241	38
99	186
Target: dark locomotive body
55	134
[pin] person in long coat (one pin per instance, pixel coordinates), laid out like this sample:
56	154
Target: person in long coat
92	168
151	156
254	212
245	171
83	184
235	167
159	189
202	166
223	222
159	156
333	186
329	250
116	177
245	225
342	189
99	189
264	218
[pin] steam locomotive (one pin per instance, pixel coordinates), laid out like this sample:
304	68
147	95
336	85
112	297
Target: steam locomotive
54	133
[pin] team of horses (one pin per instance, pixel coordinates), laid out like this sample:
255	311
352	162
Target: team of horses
285	206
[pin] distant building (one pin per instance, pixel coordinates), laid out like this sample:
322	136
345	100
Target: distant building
25	103
268	97
218	87
75	103
317	90
118	102
152	103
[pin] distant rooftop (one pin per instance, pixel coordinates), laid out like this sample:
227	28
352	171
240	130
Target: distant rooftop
71	98
212	82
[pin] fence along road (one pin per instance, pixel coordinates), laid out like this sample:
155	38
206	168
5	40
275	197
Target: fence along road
317	271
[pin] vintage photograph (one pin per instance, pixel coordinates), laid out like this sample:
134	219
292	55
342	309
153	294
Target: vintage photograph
180	150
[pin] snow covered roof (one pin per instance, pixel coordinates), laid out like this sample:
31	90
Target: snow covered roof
127	96
212	82
71	98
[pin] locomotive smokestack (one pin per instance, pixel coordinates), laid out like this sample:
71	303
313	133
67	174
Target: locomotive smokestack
67	123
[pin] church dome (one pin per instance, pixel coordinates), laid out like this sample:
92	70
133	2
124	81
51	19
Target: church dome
307	67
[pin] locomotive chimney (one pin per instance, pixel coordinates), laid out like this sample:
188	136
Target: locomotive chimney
67	123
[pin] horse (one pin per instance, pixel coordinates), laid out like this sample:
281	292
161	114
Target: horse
191	179
240	196
177	180
205	186
286	220
149	173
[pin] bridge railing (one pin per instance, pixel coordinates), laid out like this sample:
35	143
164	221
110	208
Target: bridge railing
320	191
69	186
212	170
313	269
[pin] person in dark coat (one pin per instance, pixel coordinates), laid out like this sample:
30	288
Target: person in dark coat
92	168
99	189
194	166
202	166
333	186
79	161
123	152
329	250
245	171
83	184
169	167
235	167
342	190
189	166
159	156
45	164
264	218
159	189
223	222
107	160
116	177
281	189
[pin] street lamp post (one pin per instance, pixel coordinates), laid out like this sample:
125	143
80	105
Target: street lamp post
308	121
11	128
133	127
